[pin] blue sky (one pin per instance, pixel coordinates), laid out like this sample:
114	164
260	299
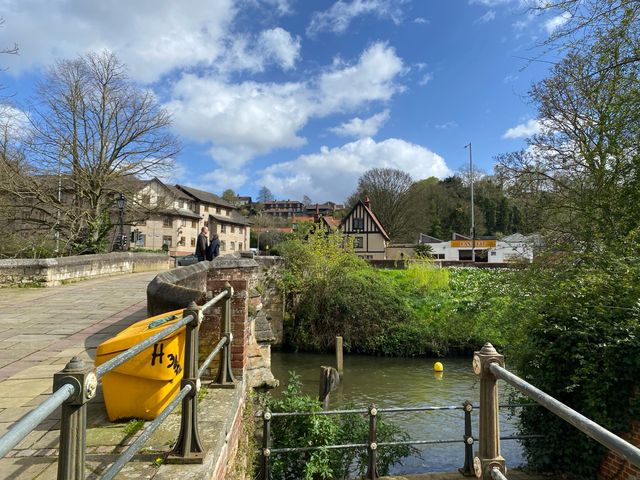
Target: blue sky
303	96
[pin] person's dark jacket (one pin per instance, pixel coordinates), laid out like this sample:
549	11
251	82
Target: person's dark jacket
214	249
202	245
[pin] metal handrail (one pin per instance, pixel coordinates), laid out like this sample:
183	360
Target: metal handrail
144	436
213	301
203	368
76	385
496	474
141	346
30	421
582	423
468	439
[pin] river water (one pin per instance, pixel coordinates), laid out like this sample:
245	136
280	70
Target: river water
406	382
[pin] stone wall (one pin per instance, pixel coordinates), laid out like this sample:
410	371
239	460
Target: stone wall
272	297
48	272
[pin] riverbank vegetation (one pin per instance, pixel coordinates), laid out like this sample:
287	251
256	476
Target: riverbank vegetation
422	310
321	430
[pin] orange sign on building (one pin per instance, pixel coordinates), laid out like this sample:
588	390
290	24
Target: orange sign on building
468	243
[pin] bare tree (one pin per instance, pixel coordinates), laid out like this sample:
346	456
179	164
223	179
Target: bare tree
388	191
93	132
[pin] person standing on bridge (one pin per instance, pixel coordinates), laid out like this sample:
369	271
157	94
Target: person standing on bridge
214	247
202	245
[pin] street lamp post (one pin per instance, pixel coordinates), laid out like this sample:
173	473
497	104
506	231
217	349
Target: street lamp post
473	222
121	201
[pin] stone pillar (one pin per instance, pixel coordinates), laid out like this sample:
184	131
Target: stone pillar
488	455
241	274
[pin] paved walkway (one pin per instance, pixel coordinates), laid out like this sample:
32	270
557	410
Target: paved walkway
40	330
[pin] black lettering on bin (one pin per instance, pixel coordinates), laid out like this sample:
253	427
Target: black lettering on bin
157	354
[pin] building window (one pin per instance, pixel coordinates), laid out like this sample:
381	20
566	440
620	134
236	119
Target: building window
183	222
193	242
161	201
233	229
146	200
206	208
359	242
194	224
183	241
217	209
358	223
182	203
166	221
240	246
167	240
233	246
223	228
223	245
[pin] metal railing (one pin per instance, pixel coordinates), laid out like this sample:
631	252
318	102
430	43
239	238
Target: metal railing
488	463
373	444
77	384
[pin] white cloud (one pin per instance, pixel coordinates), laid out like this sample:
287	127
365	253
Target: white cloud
152	37
524	130
487	17
14	123
359	128
221	179
282	7
241	121
489	3
446	125
372	78
338	18
254	53
552	24
426	78
279	44
420	20
332	173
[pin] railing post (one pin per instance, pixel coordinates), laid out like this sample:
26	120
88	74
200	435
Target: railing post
266	444
467	469
372	448
188	448
73	422
225	375
488	455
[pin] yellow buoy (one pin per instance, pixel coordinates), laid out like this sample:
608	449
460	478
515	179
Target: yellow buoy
438	367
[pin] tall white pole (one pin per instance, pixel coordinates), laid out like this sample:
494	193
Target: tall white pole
473	221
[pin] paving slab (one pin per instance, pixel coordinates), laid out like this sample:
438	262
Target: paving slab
40	331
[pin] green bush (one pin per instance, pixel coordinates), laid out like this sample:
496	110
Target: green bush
323	430
418	311
579	342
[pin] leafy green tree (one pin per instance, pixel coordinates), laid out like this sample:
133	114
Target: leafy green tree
230	196
582	171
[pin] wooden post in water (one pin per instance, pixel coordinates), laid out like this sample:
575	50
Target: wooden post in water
329	381
339	357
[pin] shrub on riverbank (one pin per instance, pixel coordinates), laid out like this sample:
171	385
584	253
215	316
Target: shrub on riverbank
579	342
423	310
320	430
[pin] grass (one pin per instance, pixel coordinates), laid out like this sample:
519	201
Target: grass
133	426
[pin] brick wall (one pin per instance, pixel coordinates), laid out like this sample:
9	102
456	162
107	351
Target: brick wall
616	468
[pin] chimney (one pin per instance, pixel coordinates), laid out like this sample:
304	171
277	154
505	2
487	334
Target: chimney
367	202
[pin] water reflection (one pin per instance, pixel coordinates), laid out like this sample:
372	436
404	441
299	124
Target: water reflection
406	382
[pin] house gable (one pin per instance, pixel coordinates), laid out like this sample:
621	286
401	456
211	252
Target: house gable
361	220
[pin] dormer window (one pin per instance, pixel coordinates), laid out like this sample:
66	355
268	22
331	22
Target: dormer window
358	223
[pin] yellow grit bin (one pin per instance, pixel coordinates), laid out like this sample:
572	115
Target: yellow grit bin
144	385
